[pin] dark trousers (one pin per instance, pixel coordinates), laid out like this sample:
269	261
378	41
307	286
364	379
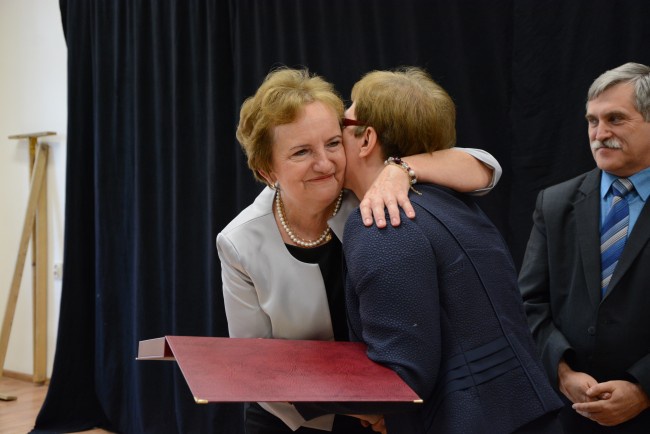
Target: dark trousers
547	424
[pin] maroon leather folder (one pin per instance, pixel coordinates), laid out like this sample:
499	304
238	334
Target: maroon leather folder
278	370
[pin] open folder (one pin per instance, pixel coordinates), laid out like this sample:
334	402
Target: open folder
278	370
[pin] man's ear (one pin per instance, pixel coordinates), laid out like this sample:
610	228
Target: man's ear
370	142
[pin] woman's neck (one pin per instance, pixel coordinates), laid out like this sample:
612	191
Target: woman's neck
301	225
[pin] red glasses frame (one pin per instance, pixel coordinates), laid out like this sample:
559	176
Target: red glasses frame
345	122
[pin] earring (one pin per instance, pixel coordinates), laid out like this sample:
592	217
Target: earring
276	186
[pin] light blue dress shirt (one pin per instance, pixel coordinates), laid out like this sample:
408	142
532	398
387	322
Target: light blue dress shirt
636	198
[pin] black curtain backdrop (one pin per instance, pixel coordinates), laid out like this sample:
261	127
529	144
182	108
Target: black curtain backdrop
154	171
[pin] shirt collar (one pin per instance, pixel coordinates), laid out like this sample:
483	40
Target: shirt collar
641	181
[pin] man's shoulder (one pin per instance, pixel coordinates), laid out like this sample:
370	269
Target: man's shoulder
582	183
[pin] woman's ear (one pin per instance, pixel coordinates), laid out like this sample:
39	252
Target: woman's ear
270	180
369	142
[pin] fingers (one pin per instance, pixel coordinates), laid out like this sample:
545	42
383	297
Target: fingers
588	410
405	204
367	419
599	389
367	215
601	418
393	212
393	209
603	412
374	210
613	402
379	426
588	407
388	191
379	214
574	385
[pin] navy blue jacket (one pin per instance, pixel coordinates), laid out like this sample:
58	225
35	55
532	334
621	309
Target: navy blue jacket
436	300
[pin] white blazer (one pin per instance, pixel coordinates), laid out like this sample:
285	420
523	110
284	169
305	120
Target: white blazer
267	292
270	294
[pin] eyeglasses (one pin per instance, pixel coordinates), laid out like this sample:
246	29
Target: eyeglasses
345	122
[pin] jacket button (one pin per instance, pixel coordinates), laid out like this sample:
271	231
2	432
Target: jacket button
591	330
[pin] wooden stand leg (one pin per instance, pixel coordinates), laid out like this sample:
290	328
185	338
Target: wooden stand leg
35	224
10	310
40	281
39	274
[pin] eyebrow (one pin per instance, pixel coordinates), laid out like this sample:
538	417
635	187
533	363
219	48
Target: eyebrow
607	114
302	145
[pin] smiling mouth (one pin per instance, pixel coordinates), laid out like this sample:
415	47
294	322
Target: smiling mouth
605	149
322	178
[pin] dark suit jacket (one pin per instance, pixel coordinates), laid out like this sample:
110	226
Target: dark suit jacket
436	300
608	338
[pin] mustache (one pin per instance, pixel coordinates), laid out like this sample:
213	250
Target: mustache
609	144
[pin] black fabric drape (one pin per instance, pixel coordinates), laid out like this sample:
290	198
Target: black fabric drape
154	170
149	175
559	48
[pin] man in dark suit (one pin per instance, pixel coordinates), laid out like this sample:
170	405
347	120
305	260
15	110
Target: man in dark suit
591	322
436	298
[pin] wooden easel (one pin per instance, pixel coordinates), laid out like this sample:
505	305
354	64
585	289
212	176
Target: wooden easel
35	228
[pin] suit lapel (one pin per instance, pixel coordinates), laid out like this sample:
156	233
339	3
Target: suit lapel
636	241
586	206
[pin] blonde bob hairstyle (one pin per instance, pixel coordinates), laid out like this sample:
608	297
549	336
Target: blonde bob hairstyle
278	101
409	111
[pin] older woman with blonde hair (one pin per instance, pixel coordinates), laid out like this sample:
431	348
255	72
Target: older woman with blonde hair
281	256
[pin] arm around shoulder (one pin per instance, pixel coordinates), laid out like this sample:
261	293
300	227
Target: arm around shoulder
462	169
466	170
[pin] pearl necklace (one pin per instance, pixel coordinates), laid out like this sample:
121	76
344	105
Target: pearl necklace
324	237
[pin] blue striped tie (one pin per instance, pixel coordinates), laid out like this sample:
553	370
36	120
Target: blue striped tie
614	231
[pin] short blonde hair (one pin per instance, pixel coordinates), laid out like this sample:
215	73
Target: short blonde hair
278	101
411	113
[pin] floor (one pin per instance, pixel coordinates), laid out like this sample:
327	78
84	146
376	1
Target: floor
18	416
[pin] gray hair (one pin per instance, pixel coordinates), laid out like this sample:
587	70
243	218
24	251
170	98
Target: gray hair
636	74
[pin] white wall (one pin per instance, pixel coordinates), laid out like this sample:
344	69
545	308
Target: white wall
33	98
